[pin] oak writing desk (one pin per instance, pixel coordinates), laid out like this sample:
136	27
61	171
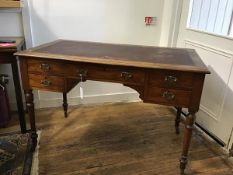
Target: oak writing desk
164	76
7	57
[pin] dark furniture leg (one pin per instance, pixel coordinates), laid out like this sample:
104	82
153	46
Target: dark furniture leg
177	120
189	122
31	113
231	151
65	104
18	94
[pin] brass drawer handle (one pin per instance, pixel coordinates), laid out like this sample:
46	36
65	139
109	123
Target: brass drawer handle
168	95
45	67
170	80
46	83
126	75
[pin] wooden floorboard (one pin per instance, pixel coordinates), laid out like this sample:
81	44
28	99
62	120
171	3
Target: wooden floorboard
120	139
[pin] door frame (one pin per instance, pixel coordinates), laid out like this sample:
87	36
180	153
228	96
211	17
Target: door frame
215	44
172	11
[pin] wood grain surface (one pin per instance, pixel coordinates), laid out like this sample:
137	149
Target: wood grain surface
10	4
120	139
19	41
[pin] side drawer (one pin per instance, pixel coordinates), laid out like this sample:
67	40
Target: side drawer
50	67
52	83
169	96
171	79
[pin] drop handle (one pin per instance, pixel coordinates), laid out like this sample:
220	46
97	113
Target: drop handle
46	83
82	73
126	75
45	67
168	95
170	79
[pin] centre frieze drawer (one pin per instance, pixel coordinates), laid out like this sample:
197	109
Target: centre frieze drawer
116	74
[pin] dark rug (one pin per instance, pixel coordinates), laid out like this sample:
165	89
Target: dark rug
15	157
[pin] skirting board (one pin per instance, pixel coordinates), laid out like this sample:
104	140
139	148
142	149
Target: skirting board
92	99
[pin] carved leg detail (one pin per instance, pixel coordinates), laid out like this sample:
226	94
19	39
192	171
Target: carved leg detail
183	163
189	122
177	121
65	104
31	113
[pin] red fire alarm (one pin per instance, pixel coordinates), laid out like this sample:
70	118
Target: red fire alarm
150	20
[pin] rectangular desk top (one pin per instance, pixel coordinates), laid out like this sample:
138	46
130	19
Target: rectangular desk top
119	54
19	41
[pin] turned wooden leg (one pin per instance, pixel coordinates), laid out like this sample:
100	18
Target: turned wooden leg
19	98
177	120
31	113
65	104
231	151
189	122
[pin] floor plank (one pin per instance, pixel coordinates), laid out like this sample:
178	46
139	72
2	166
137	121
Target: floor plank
120	139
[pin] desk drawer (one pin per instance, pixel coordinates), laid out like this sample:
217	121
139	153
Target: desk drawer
50	67
169	96
53	83
171	79
116	74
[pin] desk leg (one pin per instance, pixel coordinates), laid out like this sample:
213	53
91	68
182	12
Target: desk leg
177	121
18	94
31	113
65	104
189	122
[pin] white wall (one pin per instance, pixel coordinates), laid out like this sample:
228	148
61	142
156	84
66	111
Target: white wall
111	21
170	22
10	23
115	21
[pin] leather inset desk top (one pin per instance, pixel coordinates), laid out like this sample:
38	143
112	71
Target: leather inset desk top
130	55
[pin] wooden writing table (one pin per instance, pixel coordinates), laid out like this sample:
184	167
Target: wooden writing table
164	76
7	57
